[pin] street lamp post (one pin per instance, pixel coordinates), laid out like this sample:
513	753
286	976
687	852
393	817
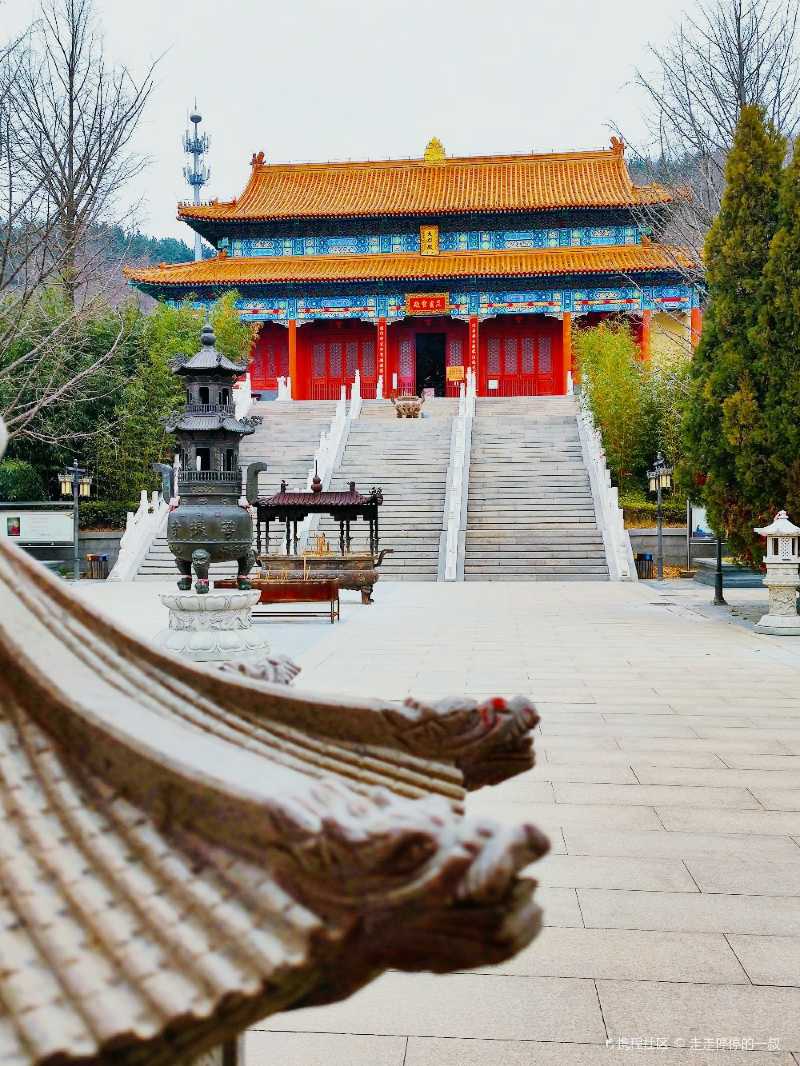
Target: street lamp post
75	482
719	599
660	480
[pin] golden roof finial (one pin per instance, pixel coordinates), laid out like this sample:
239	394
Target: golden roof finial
434	151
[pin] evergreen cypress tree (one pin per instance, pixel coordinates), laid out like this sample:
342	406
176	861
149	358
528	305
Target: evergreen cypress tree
724	428
778	342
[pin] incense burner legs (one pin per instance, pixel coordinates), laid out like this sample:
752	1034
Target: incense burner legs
212	627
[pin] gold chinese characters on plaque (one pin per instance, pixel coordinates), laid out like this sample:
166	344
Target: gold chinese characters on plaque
429	240
427	303
455	373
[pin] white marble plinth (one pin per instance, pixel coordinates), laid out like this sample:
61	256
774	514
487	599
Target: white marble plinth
782	619
213	627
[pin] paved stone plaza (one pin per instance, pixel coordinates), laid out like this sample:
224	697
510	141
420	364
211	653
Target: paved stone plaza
668	779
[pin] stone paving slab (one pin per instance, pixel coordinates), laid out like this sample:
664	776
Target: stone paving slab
664	845
632	955
658	796
668	777
461	1005
501	1053
768	960
644	875
684	912
747	877
322	1049
693	1011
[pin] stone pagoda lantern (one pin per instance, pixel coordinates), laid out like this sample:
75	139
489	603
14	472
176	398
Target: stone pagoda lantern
782	559
210	522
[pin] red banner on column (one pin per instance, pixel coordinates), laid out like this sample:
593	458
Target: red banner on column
381	349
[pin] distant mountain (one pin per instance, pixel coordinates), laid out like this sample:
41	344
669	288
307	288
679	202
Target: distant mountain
134	246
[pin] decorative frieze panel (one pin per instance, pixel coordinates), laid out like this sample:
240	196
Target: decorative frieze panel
460	241
373	244
557	237
464	304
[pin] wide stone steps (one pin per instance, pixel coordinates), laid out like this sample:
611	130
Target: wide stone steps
407	459
530	511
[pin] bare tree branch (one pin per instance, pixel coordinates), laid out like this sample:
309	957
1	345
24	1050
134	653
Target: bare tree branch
730	54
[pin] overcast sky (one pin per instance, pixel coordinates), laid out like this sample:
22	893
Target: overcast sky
340	79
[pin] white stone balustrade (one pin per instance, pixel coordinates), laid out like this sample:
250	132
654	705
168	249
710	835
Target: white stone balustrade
141	529
242	397
284	390
451	551
610	519
355	396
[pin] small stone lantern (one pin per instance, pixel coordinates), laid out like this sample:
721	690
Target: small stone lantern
782	580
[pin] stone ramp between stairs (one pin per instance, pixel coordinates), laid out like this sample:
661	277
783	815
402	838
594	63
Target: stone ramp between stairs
530	514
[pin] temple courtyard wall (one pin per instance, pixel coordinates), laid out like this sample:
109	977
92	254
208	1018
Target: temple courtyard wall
668	780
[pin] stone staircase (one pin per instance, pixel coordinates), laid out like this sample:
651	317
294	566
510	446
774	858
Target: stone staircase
531	516
408	459
287	440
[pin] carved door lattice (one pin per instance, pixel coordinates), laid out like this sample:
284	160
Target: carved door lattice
519	364
334	362
270	361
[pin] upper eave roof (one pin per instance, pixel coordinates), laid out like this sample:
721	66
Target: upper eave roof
457	185
535	262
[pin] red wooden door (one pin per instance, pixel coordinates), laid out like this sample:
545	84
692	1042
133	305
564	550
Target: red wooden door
336	355
270	358
520	360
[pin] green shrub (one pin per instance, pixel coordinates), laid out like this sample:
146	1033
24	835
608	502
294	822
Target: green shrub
20	481
105	514
612	379
639	509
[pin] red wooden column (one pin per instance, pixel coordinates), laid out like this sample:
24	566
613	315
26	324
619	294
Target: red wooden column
380	349
293	359
647	317
696	326
566	348
473	347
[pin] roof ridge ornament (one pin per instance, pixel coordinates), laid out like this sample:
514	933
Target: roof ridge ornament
618	146
257	159
434	151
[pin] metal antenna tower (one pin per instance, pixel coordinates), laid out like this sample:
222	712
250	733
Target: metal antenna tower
196	173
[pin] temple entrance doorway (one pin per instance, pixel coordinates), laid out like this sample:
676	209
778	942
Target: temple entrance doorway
430	362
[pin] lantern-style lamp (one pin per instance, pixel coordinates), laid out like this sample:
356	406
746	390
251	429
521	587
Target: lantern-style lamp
74	481
782	558
659	480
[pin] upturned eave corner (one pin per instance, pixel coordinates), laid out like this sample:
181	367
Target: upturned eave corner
216	848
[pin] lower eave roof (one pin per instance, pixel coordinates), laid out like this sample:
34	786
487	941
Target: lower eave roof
535	262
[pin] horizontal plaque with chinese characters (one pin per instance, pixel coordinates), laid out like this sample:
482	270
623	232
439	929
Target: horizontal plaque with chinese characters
427	303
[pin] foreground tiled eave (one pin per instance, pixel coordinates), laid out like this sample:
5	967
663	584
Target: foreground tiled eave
184	851
489	184
529	263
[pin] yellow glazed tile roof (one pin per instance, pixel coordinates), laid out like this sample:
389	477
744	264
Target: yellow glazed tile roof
432	186
538	262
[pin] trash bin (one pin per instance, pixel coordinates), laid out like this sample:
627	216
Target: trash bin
644	565
98	567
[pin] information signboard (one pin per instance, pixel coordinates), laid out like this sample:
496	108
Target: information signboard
36	526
